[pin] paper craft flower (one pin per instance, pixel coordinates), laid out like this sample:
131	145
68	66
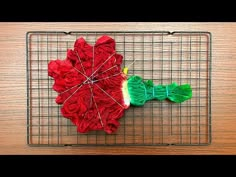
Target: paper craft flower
93	90
89	85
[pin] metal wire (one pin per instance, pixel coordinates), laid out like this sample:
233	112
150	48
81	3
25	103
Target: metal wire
164	57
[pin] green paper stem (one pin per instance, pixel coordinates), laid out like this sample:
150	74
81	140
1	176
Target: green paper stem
142	91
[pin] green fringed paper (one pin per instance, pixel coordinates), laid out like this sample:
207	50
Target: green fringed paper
142	91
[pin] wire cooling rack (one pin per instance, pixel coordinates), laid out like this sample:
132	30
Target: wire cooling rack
164	57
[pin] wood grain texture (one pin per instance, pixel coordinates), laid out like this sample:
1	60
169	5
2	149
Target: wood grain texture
13	88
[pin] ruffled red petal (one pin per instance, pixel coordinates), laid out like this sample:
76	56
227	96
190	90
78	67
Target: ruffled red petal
89	83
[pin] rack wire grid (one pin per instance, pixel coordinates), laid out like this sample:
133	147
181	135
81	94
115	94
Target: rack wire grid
162	56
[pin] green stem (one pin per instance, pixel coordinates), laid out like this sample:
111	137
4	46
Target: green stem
142	91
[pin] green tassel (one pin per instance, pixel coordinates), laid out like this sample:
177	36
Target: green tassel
142	91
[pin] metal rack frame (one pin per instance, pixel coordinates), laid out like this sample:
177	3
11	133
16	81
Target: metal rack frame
164	57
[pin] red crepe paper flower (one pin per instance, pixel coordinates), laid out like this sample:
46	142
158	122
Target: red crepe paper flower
89	85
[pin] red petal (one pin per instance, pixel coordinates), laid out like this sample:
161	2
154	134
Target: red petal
102	109
105	40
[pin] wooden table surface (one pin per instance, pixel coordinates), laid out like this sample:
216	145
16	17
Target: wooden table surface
13	113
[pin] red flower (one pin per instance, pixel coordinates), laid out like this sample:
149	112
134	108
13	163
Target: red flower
89	83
